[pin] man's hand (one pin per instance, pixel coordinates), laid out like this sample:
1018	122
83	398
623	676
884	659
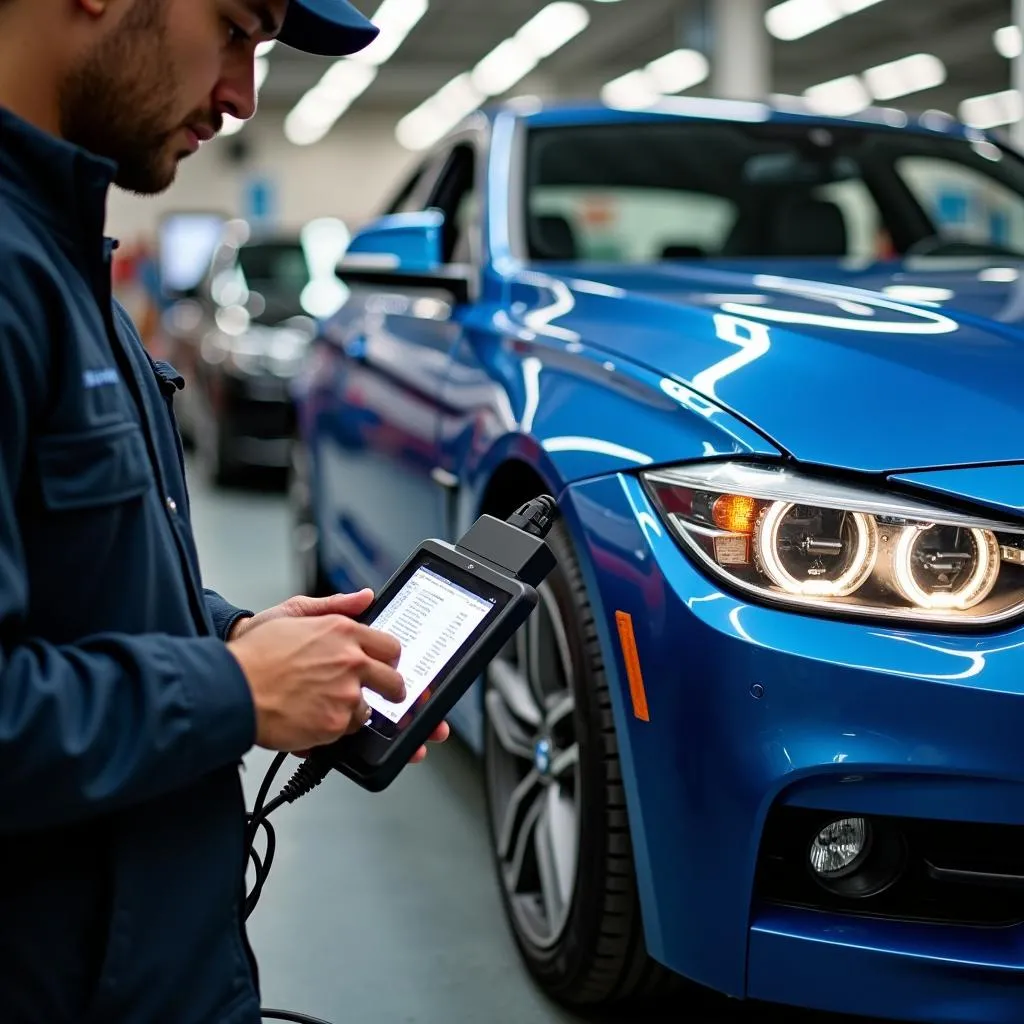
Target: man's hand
307	677
348	605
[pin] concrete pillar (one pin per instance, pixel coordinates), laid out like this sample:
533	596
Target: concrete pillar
1017	73
741	52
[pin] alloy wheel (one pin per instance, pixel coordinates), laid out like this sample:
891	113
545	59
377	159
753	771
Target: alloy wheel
533	772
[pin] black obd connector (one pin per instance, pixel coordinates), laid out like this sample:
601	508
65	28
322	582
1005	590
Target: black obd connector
515	545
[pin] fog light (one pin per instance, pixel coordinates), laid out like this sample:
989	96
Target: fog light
840	848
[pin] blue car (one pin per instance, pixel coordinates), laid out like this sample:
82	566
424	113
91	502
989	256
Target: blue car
765	731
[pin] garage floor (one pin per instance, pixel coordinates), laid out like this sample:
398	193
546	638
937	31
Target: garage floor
382	909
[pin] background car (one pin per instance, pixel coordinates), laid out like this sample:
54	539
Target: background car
763	731
238	338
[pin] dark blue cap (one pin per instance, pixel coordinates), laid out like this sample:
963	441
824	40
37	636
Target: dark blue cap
329	28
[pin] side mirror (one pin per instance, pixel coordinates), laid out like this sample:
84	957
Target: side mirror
404	251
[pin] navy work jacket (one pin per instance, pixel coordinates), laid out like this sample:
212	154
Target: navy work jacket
123	716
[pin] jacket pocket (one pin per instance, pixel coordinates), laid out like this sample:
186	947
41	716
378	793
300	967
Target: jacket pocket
94	468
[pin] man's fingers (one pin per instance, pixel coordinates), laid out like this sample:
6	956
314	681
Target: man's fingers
385	681
439	735
335	604
377	644
348	604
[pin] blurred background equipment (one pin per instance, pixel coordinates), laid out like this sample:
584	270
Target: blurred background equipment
237	332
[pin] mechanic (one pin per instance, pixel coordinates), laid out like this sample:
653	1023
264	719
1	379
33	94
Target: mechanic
129	693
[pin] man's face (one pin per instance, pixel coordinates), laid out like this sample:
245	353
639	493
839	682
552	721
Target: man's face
159	80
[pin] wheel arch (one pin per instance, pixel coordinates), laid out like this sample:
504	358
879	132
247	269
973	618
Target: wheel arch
513	482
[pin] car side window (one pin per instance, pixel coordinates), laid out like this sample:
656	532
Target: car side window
456	197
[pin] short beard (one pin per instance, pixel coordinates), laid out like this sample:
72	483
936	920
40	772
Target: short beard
119	103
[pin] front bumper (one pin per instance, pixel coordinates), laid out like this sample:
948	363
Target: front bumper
756	713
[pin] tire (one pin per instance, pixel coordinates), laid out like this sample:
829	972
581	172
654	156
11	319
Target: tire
582	939
310	577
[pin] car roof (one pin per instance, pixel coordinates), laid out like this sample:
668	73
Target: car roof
537	113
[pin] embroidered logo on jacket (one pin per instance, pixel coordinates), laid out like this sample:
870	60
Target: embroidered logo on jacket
101	377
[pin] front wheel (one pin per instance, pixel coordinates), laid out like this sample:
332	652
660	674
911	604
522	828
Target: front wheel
556	806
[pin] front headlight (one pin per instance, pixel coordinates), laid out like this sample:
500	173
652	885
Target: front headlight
798	540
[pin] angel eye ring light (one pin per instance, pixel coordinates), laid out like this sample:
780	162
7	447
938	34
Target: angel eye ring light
837	547
859	564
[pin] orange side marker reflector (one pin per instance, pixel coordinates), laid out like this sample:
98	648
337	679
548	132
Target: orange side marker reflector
636	680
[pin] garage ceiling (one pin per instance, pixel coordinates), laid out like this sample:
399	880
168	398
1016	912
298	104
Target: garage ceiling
453	35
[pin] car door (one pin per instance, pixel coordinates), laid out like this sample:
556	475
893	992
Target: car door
378	467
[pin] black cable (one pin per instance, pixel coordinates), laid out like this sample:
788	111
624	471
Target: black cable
299	1018
275	767
255	821
306	778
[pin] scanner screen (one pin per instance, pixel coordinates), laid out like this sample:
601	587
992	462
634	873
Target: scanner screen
432	617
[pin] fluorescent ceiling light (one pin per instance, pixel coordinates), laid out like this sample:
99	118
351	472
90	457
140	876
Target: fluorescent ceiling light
993	109
514	58
553	26
458	98
915	73
678	71
508	63
346	80
633	91
839	97
1008	42
643	88
315	114
395	19
440	113
794	19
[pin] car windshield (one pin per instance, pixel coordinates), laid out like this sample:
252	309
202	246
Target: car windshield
279	272
645	192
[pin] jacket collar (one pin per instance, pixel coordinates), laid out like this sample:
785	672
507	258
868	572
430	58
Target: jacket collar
62	183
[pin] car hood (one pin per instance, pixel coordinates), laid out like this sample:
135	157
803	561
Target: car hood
879	368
